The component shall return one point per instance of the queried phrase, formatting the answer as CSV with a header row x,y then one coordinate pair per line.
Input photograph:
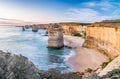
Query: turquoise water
x,y
34,46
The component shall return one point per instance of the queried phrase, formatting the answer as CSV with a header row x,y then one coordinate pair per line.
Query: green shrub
x,y
113,73
97,77
77,34
20,67
104,64
56,74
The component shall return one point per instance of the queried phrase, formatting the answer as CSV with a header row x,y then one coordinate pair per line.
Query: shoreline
x,y
84,58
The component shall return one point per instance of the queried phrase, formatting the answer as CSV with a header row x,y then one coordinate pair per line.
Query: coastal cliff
x,y
68,28
17,67
42,26
105,37
72,28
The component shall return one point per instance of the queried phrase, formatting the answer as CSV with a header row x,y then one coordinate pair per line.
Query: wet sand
x,y
84,58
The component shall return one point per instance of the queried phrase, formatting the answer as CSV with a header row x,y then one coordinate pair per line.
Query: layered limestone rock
x,y
42,26
105,37
72,28
55,36
68,28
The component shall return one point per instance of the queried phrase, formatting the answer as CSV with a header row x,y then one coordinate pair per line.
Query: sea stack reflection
x,y
55,36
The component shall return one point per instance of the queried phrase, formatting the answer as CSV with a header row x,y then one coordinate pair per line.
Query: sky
x,y
51,11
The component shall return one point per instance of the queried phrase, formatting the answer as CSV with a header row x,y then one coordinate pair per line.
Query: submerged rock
x,y
55,58
55,36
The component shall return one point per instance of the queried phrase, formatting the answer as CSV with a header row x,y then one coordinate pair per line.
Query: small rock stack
x,y
34,28
55,36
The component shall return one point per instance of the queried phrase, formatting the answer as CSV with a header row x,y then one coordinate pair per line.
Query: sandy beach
x,y
84,57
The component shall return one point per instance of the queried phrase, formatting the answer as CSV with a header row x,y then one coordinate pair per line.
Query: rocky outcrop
x,y
55,36
17,67
105,37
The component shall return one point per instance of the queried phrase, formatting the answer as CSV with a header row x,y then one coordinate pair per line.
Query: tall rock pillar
x,y
34,28
55,36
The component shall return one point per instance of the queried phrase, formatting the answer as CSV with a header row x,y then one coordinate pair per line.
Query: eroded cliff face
x,y
42,26
105,37
70,29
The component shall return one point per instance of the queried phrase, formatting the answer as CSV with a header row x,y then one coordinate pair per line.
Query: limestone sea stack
x,y
23,28
55,36
34,28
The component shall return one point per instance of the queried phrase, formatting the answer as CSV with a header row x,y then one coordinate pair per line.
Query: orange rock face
x,y
69,29
106,37
55,36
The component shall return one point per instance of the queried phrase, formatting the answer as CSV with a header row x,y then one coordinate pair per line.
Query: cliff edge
x,y
17,67
104,37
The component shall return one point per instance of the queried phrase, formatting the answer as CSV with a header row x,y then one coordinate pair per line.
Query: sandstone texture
x,y
55,36
71,28
105,37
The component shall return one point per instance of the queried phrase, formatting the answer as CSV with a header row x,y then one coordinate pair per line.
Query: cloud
x,y
12,22
104,4
94,12
85,15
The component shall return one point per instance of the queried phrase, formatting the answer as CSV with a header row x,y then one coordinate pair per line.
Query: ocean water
x,y
33,46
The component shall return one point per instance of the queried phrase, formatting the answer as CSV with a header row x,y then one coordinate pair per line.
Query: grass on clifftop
x,y
82,34
104,64
77,34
